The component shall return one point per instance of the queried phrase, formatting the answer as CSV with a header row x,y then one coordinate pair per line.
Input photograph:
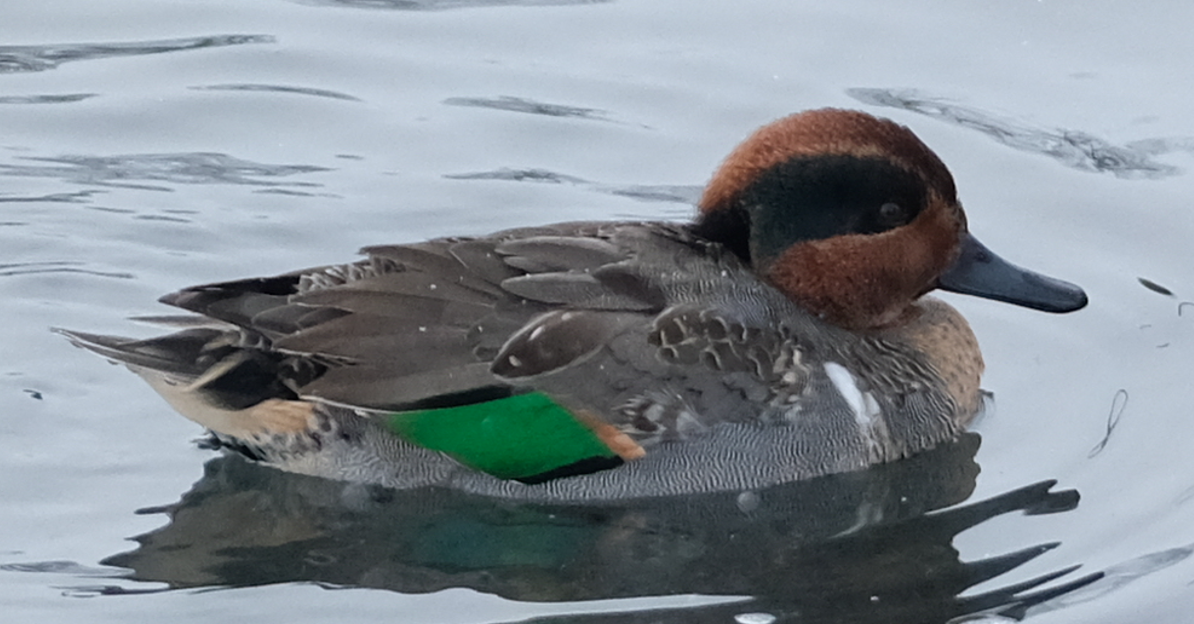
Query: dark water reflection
x,y
688,195
1072,148
530,107
126,170
860,547
43,57
66,98
267,88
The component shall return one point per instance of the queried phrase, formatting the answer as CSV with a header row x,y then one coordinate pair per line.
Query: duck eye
x,y
892,214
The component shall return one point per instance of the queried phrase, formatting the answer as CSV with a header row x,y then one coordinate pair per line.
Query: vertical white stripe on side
x,y
863,404
846,386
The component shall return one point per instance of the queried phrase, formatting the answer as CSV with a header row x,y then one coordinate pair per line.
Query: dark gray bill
x,y
979,272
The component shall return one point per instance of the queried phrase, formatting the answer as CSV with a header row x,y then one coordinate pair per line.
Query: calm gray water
x,y
146,146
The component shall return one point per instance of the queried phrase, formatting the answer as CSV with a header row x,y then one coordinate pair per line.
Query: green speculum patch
x,y
518,437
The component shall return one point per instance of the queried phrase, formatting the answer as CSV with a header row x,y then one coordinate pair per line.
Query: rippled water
x,y
146,146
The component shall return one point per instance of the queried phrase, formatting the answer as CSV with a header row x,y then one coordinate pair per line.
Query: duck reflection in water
x,y
857,547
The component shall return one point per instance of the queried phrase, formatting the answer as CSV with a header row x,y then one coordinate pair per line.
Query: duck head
x,y
854,218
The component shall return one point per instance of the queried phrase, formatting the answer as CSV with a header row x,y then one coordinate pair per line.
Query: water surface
x,y
146,146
